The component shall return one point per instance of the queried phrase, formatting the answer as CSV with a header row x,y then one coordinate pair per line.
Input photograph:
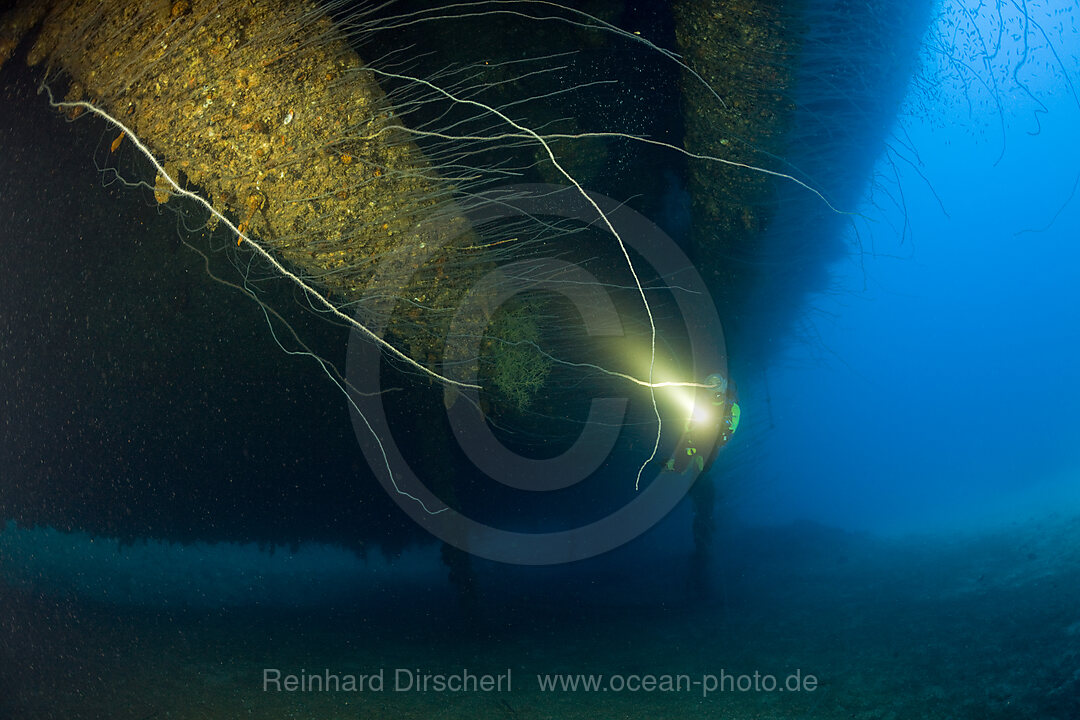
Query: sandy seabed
x,y
982,626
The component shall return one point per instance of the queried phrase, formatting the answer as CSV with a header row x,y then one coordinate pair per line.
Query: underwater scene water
x,y
518,359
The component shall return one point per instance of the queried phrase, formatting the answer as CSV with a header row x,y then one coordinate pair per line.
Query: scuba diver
x,y
719,425
705,432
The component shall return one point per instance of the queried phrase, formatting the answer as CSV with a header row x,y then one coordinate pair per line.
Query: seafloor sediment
x,y
938,627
